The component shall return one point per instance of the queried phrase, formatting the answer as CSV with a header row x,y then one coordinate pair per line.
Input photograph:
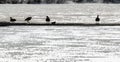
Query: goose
x,y
97,19
53,23
28,19
12,19
47,19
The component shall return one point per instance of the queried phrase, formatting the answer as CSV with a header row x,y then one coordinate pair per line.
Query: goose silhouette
x,y
53,23
47,19
97,19
28,19
12,19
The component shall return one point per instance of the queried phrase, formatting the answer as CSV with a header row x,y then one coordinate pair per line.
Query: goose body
x,y
12,19
47,19
28,19
53,23
97,18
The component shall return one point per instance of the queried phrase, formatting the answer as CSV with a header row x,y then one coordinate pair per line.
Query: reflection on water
x,y
58,43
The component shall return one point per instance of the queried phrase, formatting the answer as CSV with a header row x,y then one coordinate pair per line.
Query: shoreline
x,y
57,24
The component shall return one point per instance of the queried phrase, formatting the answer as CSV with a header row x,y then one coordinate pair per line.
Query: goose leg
x,y
28,22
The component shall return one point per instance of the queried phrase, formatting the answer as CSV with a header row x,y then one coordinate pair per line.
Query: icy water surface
x,y
59,44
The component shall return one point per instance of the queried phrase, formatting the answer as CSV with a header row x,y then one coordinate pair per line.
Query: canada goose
x,y
28,19
47,19
53,23
97,19
12,19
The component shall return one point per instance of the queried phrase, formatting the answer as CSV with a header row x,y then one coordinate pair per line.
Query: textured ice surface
x,y
60,43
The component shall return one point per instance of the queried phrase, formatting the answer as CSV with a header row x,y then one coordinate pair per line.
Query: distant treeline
x,y
55,1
